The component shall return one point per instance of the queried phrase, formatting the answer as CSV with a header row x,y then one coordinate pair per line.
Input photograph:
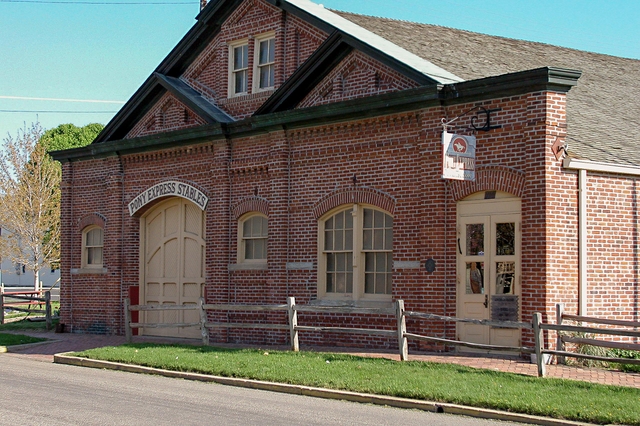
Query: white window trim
x,y
256,62
258,263
85,251
232,87
358,295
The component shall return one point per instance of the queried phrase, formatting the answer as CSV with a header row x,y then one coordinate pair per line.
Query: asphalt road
x,y
39,393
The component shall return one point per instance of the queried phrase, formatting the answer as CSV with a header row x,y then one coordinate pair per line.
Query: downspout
x,y
582,242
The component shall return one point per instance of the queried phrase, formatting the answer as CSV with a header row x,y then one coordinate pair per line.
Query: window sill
x,y
89,271
245,96
249,266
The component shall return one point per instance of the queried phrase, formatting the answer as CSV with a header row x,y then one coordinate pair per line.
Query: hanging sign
x,y
168,189
458,156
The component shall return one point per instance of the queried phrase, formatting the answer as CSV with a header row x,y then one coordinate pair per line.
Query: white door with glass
x,y
489,269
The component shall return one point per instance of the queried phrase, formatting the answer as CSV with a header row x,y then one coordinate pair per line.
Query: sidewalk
x,y
67,342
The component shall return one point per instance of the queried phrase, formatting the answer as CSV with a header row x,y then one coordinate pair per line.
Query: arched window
x,y
356,254
92,247
253,234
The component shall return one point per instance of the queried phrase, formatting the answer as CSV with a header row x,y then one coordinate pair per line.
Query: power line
x,y
28,98
108,3
56,112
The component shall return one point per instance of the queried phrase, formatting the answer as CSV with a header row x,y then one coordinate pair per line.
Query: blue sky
x,y
85,58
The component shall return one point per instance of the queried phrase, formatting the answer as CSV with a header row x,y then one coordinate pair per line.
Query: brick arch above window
x,y
490,178
340,197
251,204
92,219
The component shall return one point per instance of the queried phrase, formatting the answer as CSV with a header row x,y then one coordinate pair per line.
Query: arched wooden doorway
x,y
172,264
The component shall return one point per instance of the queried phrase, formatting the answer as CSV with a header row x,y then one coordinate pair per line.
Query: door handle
x,y
486,300
459,249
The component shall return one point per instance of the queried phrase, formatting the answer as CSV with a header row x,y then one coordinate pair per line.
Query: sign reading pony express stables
x,y
458,156
168,189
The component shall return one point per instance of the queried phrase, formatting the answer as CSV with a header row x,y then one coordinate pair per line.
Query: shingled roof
x,y
603,109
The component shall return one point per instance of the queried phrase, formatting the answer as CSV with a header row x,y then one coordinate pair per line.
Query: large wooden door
x,y
489,269
173,248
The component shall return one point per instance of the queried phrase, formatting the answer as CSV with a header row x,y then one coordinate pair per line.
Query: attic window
x,y
239,68
264,62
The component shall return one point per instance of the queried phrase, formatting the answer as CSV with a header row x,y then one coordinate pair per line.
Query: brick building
x,y
283,149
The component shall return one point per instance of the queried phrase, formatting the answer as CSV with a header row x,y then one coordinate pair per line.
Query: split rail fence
x,y
577,334
399,315
26,301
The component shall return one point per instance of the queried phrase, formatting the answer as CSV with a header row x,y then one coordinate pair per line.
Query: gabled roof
x,y
603,109
209,22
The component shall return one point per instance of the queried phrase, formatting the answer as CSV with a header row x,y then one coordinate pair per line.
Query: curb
x,y
435,407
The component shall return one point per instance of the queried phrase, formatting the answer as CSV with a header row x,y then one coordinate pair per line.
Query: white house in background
x,y
16,275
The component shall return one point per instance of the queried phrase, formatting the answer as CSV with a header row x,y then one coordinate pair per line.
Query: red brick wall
x,y
292,174
612,211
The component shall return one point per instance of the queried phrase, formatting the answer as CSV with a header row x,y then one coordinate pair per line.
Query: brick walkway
x,y
67,342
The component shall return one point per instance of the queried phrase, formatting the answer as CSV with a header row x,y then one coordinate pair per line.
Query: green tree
x,y
67,136
30,193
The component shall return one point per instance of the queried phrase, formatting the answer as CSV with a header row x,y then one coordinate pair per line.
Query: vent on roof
x,y
203,3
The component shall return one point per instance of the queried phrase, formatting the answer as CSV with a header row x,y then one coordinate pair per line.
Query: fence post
x,y
47,308
203,322
402,329
1,303
559,341
293,323
127,320
539,337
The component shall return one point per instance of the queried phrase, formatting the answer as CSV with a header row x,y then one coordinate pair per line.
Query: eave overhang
x,y
600,167
529,81
541,79
194,100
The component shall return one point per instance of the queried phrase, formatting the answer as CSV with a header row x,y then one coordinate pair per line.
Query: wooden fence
x,y
398,313
400,330
570,334
26,301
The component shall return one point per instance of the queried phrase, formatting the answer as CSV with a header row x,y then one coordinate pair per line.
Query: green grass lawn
x,y
25,324
17,339
418,380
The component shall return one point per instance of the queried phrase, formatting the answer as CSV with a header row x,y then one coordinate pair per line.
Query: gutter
x,y
584,166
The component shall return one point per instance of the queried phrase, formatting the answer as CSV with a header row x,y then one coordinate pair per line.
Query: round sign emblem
x,y
459,144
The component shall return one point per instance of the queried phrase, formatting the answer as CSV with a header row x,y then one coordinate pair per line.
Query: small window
x,y
265,63
239,69
92,245
253,237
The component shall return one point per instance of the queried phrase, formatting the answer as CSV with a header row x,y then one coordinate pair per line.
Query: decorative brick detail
x,y
92,219
251,204
490,178
168,114
357,76
354,196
